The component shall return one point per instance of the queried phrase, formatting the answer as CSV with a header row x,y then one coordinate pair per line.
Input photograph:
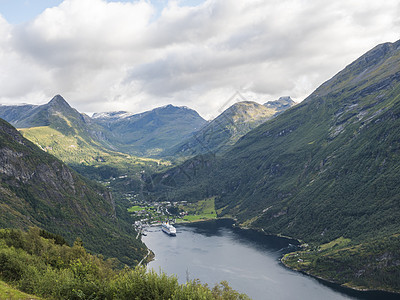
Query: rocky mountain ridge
x,y
282,104
221,133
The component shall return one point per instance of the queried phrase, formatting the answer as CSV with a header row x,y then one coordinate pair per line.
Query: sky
x,y
137,55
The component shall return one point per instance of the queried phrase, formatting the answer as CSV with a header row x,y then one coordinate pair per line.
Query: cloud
x,y
132,56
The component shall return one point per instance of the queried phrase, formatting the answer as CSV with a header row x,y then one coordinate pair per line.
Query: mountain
x,y
76,139
325,169
16,113
326,153
151,132
52,124
282,104
36,189
57,113
224,130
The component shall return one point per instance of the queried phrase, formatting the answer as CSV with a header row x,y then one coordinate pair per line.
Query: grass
x,y
206,206
248,223
139,208
339,242
135,208
200,217
7,292
202,210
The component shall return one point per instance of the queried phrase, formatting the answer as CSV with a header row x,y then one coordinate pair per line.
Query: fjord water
x,y
248,260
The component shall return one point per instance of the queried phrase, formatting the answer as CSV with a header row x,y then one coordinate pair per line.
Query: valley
x,y
324,172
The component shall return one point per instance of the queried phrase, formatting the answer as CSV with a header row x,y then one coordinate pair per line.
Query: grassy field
x,y
139,208
338,243
202,210
7,292
135,208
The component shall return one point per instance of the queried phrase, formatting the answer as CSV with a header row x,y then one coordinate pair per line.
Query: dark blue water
x,y
248,260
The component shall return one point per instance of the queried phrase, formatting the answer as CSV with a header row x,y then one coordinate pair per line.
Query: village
x,y
146,214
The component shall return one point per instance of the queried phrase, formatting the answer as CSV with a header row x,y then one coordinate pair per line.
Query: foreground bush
x,y
41,264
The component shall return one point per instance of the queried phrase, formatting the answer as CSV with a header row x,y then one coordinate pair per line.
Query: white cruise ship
x,y
168,228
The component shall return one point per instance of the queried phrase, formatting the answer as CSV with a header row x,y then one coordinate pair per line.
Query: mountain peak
x,y
112,115
172,107
58,100
380,51
243,107
282,103
382,60
222,132
245,103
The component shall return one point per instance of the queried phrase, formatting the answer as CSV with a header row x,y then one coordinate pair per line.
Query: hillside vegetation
x,y
40,263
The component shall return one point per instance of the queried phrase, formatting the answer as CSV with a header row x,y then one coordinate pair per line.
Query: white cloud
x,y
128,56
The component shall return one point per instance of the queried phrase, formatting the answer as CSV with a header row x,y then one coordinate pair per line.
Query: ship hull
x,y
169,229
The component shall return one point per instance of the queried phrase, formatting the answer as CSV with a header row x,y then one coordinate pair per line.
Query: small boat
x,y
168,228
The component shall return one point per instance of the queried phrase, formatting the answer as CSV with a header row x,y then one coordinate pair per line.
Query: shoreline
x,y
344,286
327,281
198,221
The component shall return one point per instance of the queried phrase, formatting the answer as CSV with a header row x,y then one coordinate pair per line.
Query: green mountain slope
x,y
36,189
151,132
331,161
327,168
224,130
